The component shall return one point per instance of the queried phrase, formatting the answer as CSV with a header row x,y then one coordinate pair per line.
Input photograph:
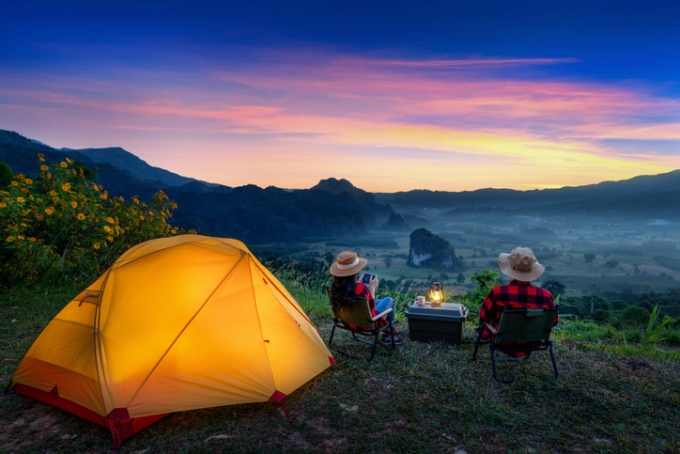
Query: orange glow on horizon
x,y
385,125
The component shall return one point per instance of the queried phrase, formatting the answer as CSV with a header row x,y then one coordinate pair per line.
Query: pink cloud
x,y
354,104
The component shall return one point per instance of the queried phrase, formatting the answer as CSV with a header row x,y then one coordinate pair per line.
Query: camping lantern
x,y
436,294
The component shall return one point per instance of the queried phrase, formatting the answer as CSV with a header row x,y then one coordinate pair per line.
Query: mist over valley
x,y
600,239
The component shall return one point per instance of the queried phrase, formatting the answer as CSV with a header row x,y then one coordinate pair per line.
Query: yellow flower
x,y
104,195
21,237
110,220
108,229
135,200
70,161
20,199
53,193
141,218
28,181
24,190
49,211
14,184
81,217
66,187
41,157
95,187
31,239
97,245
55,199
3,204
63,164
110,238
150,213
10,239
74,204
44,168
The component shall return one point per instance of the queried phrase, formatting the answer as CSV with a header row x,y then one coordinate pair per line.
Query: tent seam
x,y
193,317
96,333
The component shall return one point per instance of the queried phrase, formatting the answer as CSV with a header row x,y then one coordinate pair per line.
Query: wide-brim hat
x,y
347,263
520,264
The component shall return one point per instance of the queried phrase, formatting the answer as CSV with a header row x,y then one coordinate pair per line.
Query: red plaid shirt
x,y
515,295
362,290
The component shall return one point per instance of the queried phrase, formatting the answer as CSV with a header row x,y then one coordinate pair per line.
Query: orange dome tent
x,y
175,324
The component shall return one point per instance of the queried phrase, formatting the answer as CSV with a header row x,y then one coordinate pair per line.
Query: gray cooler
x,y
440,323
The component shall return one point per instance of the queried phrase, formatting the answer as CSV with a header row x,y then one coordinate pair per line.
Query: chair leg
x,y
375,344
477,344
391,328
493,366
554,363
330,340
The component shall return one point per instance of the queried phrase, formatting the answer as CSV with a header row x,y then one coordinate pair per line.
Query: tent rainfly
x,y
175,324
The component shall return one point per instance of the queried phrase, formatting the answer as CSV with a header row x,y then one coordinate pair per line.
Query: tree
x,y
460,278
387,261
589,257
6,174
612,263
554,287
634,316
485,280
329,258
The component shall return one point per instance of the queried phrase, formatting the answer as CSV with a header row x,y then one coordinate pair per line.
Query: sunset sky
x,y
391,95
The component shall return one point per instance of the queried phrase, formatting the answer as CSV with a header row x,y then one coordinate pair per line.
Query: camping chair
x,y
521,326
361,324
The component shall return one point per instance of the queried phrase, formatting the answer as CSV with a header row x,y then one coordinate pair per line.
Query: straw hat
x,y
520,264
347,264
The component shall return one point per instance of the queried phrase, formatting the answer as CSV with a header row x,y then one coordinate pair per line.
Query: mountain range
x,y
334,207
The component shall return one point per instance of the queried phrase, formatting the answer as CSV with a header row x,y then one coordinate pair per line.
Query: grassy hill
x,y
612,396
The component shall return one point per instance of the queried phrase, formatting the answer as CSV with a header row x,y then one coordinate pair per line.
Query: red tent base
x,y
118,421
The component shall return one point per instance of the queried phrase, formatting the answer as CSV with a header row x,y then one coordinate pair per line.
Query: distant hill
x,y
649,194
335,207
130,163
367,200
248,213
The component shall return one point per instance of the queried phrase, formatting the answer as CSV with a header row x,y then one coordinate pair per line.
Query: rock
x,y
431,251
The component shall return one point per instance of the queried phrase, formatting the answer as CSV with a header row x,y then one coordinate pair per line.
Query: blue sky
x,y
390,95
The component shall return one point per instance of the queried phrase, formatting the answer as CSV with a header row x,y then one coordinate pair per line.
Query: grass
x,y
611,397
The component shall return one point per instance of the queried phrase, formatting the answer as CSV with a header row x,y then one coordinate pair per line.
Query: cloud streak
x,y
436,124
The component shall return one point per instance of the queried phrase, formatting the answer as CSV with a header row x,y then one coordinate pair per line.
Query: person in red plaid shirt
x,y
520,265
346,287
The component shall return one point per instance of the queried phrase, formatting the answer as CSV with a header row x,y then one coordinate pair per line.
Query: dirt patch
x,y
27,427
639,367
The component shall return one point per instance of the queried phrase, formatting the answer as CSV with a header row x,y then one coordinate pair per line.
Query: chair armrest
x,y
491,328
381,315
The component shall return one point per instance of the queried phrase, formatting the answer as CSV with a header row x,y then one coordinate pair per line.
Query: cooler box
x,y
439,323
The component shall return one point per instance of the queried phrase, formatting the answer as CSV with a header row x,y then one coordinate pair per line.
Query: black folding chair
x,y
521,330
364,328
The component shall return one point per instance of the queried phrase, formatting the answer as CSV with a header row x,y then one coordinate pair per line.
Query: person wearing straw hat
x,y
345,287
522,267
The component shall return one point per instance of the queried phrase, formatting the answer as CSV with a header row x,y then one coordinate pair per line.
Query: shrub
x,y
601,316
634,317
63,226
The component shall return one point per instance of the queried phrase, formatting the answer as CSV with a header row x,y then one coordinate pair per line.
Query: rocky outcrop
x,y
396,223
431,251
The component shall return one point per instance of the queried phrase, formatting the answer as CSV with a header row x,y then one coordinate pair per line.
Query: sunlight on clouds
x,y
386,125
